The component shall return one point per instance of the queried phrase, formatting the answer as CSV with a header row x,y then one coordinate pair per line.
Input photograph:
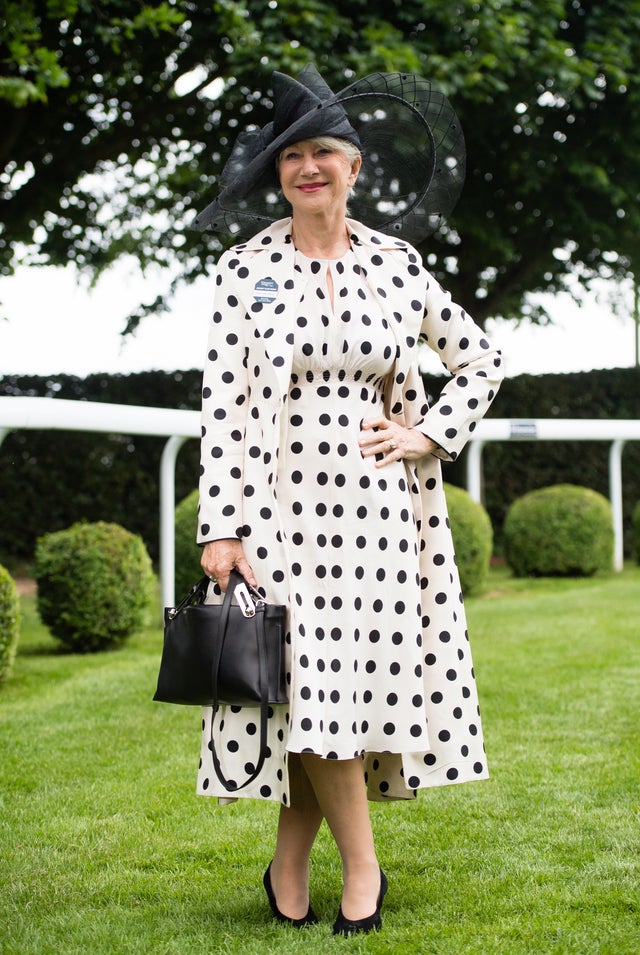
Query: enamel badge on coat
x,y
265,290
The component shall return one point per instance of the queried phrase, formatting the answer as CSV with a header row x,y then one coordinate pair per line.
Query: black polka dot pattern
x,y
379,665
348,632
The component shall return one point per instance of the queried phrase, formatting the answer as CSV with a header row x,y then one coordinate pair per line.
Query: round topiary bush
x,y
94,585
559,531
635,531
9,622
472,538
187,569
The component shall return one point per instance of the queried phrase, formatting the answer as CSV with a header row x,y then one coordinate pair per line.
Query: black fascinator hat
x,y
410,138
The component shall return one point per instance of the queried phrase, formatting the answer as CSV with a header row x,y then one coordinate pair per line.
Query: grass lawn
x,y
104,847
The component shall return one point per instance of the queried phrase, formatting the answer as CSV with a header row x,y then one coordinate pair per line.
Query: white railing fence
x,y
62,415
178,426
616,432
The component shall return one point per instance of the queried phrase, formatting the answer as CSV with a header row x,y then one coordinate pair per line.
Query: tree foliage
x,y
117,118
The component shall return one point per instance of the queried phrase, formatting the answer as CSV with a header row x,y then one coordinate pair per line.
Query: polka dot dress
x,y
350,534
378,657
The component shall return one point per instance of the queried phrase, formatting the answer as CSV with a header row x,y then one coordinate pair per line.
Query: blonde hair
x,y
349,149
344,146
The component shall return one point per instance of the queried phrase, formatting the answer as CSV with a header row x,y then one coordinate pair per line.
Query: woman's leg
x,y
298,826
341,795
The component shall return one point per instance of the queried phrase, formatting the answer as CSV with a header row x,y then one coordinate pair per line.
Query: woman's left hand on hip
x,y
381,436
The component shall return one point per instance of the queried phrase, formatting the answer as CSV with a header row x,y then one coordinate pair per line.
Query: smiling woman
x,y
316,177
314,157
320,468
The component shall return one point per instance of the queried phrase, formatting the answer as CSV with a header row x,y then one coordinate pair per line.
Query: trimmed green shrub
x,y
559,531
9,622
635,531
472,538
188,568
94,585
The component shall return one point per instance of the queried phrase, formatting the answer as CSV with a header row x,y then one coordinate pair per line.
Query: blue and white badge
x,y
266,290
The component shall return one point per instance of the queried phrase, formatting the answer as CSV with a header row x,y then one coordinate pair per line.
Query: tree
x,y
117,118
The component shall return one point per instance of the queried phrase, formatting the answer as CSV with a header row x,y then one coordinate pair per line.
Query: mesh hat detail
x,y
411,142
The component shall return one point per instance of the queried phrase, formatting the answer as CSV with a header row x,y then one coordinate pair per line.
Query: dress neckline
x,y
323,261
317,258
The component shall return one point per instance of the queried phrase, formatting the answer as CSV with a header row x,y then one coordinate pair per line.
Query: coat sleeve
x,y
225,394
475,365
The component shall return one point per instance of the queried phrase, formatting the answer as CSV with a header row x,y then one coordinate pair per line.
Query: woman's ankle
x,y
290,885
361,889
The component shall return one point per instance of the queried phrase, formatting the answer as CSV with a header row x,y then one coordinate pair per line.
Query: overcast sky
x,y
55,324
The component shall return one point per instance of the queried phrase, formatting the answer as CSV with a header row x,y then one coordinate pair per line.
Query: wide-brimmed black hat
x,y
410,138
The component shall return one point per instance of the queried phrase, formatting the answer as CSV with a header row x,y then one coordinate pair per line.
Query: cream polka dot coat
x,y
246,388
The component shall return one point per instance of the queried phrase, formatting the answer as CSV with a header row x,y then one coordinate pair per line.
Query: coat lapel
x,y
273,290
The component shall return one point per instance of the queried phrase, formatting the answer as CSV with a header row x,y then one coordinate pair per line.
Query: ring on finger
x,y
393,445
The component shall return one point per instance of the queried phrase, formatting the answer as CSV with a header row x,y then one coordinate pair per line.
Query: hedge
x,y
115,477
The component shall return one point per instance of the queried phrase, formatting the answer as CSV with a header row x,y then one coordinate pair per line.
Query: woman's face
x,y
315,178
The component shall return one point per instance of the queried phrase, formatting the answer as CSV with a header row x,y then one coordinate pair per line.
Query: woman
x,y
320,475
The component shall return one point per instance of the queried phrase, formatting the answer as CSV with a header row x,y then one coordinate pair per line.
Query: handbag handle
x,y
236,578
196,595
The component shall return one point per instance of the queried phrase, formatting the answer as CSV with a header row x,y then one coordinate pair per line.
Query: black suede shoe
x,y
372,923
309,919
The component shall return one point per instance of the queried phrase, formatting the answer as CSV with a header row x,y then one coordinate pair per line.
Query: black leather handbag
x,y
224,653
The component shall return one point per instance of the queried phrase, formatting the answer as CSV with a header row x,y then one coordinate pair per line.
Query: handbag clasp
x,y
245,601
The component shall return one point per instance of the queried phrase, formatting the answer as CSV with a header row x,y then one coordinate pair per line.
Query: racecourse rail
x,y
17,413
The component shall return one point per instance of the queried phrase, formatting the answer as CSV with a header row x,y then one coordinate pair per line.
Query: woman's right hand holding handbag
x,y
220,557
